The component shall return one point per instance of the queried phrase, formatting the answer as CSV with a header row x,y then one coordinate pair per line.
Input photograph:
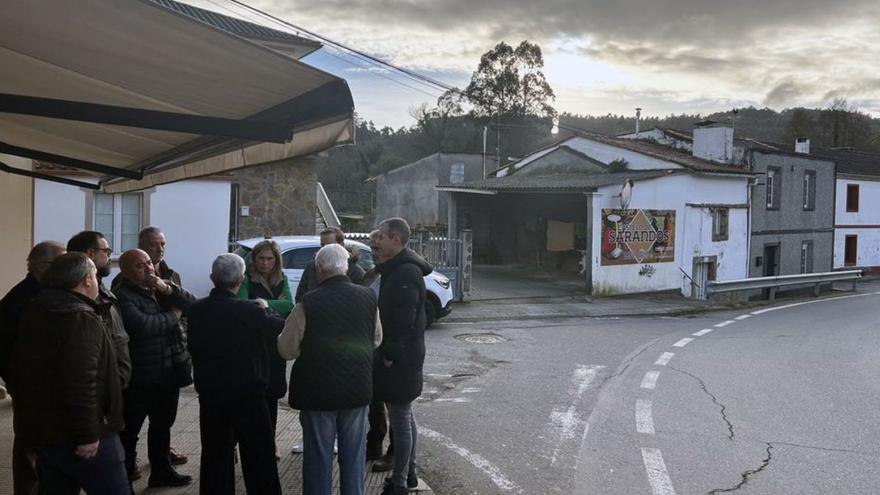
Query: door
x,y
771,260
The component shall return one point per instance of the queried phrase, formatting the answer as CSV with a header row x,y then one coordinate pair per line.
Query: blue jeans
x,y
403,433
63,472
320,429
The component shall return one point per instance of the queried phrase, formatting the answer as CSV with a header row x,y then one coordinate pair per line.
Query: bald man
x,y
160,366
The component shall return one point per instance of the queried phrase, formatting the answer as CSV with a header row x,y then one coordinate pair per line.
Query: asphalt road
x,y
777,402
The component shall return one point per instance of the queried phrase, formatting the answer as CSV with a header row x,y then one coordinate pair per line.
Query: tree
x,y
510,82
800,125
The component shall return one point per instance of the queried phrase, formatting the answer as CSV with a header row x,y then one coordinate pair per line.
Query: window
x,y
810,190
720,219
807,257
299,258
456,173
852,198
119,218
774,179
851,250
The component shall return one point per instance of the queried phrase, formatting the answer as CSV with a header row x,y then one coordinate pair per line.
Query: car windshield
x,y
244,252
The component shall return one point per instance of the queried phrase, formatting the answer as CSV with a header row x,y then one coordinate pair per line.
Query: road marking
x,y
658,477
743,317
683,342
438,375
644,421
452,399
724,323
564,422
478,461
650,380
470,390
817,301
664,358
702,332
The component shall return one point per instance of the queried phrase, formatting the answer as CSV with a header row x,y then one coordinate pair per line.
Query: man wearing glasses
x,y
95,246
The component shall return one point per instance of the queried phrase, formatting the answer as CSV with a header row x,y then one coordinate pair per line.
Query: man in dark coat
x,y
24,472
66,385
232,342
332,334
95,246
160,365
309,279
397,373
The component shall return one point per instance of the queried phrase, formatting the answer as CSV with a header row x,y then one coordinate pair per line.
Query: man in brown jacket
x,y
66,384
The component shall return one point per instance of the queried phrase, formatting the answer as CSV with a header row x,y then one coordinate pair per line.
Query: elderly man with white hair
x,y
332,334
231,342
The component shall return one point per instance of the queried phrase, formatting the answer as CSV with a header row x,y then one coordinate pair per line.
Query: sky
x,y
604,56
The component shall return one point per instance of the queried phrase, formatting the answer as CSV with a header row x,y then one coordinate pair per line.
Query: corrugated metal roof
x,y
236,26
560,182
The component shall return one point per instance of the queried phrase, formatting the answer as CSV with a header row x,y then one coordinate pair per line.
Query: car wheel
x,y
430,313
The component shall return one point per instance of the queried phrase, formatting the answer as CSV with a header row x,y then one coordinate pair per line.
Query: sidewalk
x,y
185,440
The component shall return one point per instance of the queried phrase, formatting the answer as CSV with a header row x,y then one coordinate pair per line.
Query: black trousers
x,y
159,403
378,419
244,420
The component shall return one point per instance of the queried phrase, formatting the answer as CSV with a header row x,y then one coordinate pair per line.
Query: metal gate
x,y
451,257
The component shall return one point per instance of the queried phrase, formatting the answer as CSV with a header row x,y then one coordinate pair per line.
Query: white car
x,y
298,251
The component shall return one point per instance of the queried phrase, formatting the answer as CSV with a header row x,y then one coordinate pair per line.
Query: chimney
x,y
638,118
802,145
713,141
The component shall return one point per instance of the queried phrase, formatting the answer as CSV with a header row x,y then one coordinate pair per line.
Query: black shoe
x,y
382,465
170,478
412,480
392,489
373,453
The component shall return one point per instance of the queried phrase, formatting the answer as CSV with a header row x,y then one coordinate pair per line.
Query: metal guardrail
x,y
775,282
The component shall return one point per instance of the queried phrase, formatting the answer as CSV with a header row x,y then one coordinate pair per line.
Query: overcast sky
x,y
601,56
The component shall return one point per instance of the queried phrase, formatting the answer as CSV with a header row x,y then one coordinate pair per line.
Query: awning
x,y
129,88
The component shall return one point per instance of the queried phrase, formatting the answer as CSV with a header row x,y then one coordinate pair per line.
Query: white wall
x,y
868,218
194,215
693,232
59,210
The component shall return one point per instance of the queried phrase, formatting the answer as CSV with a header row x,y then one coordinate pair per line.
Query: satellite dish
x,y
626,193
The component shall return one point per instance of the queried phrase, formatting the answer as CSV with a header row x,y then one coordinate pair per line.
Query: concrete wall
x,y
280,196
865,224
693,232
791,223
194,215
16,223
410,191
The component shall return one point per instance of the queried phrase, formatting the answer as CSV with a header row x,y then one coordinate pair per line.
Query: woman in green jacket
x,y
265,280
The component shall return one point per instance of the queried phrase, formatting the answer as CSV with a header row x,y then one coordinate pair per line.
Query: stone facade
x,y
280,196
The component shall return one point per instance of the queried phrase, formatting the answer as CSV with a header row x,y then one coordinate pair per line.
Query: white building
x,y
194,215
857,209
686,221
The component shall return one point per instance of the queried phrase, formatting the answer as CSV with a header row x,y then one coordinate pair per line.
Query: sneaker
x,y
412,481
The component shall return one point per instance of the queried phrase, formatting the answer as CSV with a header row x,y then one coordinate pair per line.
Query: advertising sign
x,y
631,237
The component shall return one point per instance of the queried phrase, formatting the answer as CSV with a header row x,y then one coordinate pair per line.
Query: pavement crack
x,y
748,474
722,407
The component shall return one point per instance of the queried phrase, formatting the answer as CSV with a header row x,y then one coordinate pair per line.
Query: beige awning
x,y
131,86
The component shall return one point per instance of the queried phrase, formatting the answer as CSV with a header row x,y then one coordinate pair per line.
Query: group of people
x,y
87,365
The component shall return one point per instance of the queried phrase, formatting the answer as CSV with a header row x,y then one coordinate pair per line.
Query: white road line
x,y
478,461
664,358
644,421
658,477
702,332
650,380
683,342
743,317
724,324
470,390
817,301
564,421
452,399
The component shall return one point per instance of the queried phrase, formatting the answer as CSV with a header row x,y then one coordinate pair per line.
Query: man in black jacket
x,y
332,334
232,342
397,373
309,279
95,246
24,472
151,310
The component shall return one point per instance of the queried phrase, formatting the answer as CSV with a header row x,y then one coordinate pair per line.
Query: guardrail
x,y
775,282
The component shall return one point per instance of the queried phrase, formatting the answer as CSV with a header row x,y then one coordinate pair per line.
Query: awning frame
x,y
69,162
36,175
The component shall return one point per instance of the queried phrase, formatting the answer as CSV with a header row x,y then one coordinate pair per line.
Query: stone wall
x,y
281,197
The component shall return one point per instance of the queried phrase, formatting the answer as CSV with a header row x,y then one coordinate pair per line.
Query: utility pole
x,y
485,132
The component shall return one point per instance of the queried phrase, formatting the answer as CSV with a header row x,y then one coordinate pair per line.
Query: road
x,y
773,401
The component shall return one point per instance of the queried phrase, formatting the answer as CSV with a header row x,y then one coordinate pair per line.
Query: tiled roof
x,y
559,182
851,161
236,26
